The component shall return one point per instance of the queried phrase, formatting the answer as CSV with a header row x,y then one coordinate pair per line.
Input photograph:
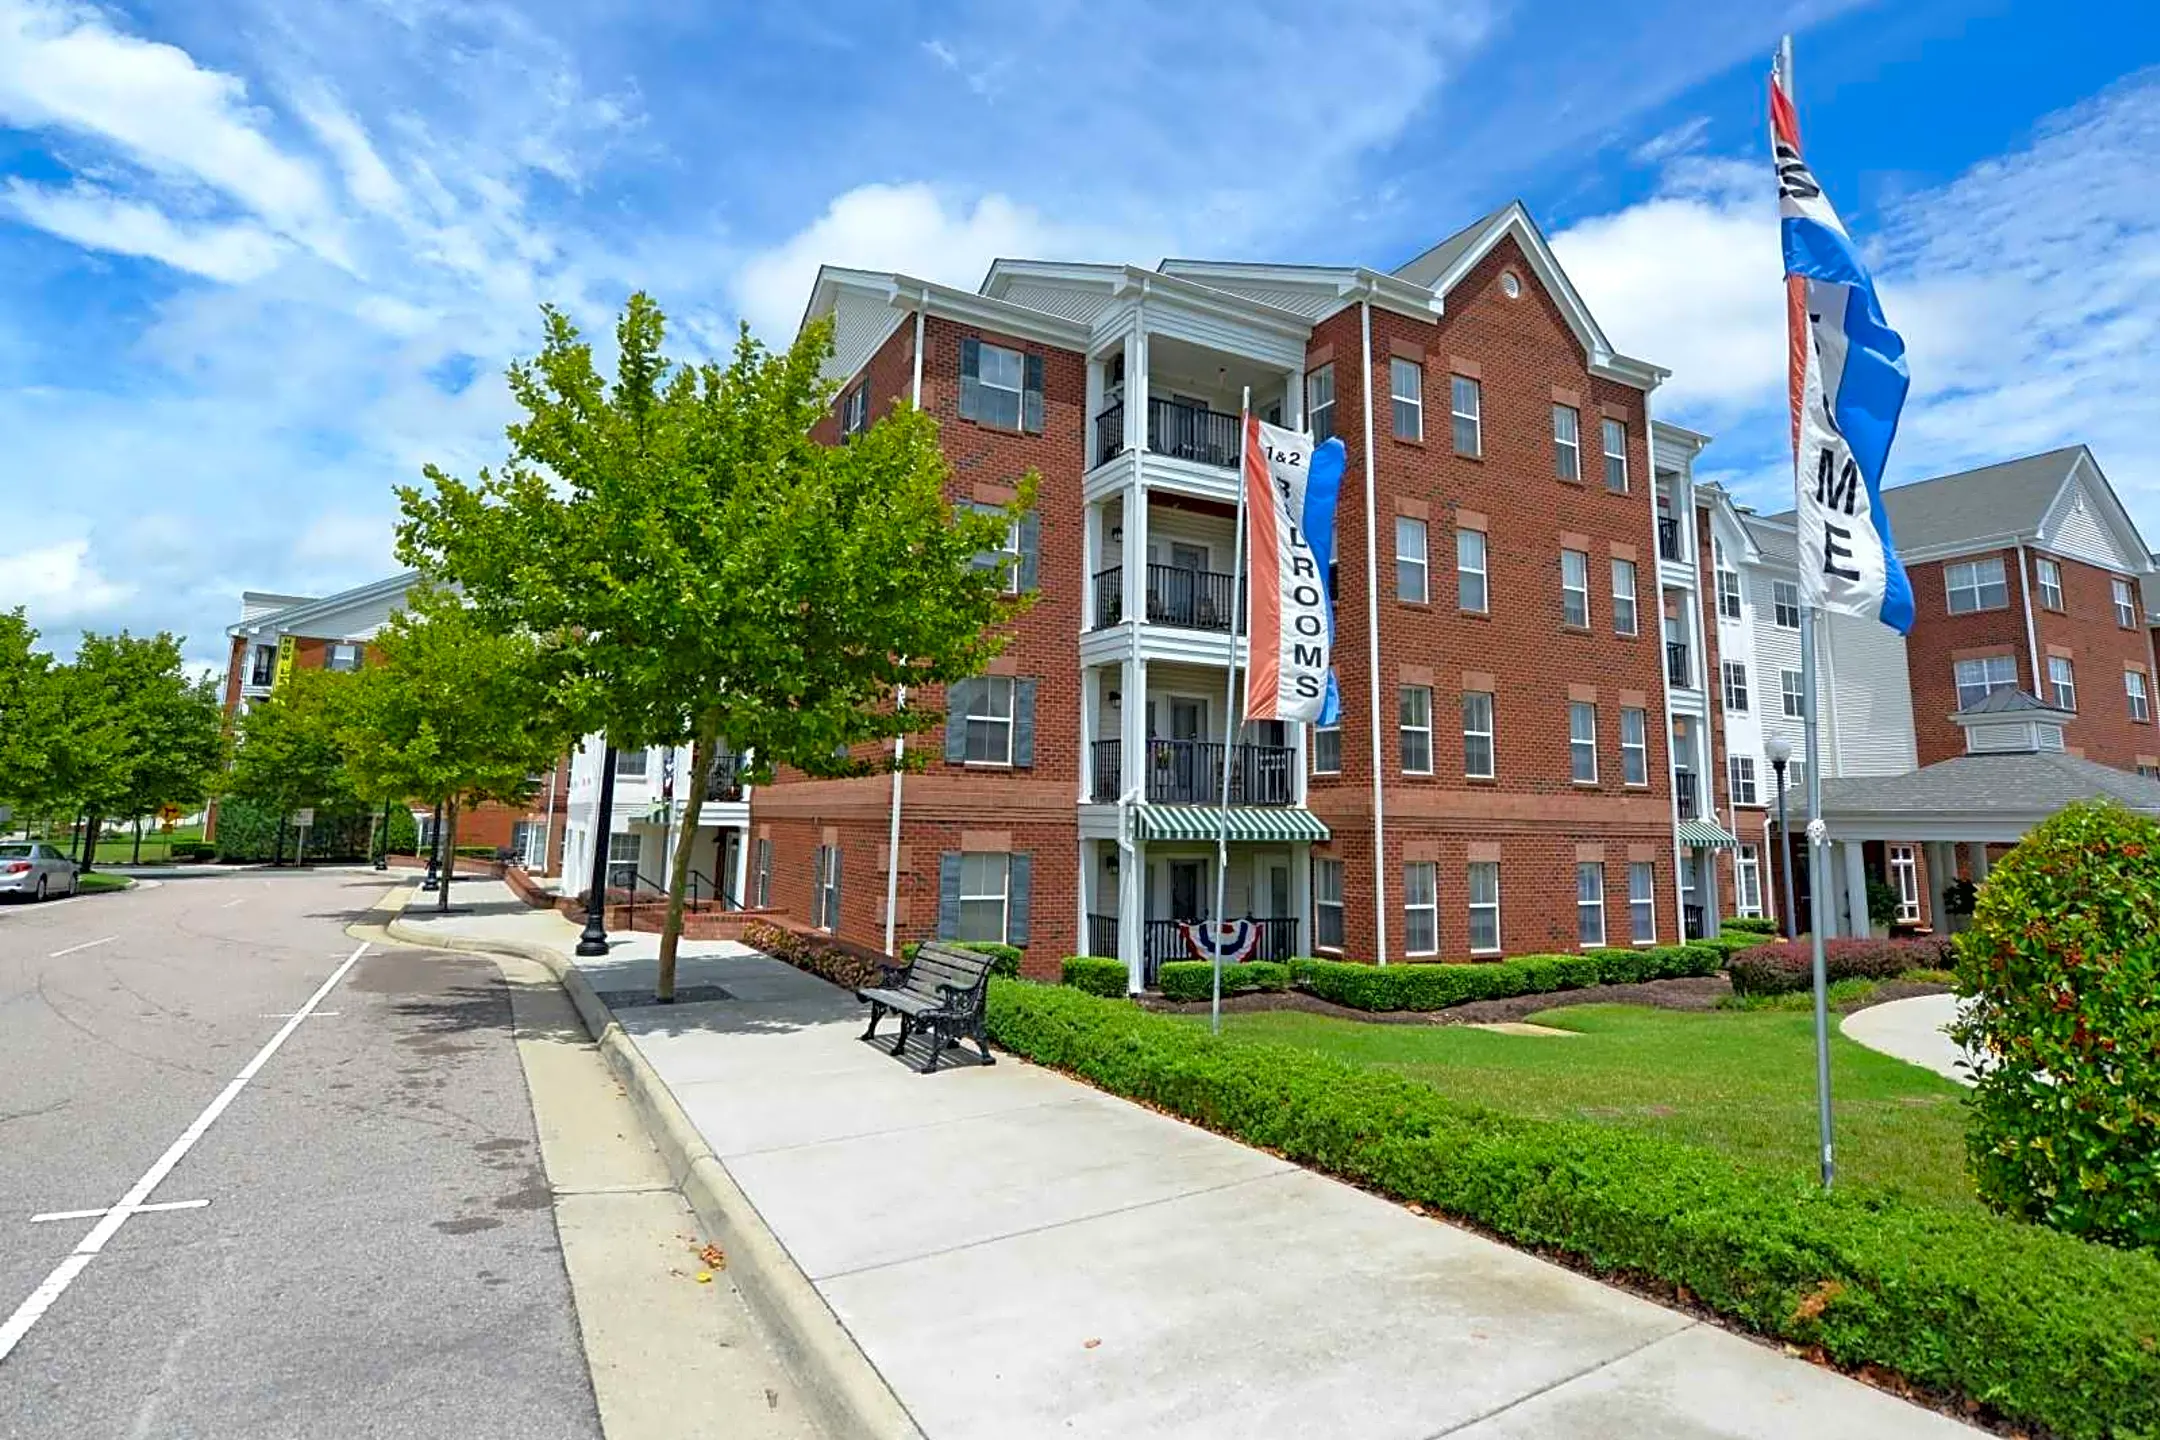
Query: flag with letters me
x,y
1291,486
1848,382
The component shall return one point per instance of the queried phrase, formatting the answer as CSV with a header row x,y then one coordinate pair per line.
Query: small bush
x,y
1748,925
2061,968
1005,958
820,955
1095,975
1195,979
193,850
1729,945
1842,995
1790,965
1437,987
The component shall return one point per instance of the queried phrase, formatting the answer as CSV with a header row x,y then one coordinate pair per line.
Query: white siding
x,y
1084,303
861,323
2073,527
1166,317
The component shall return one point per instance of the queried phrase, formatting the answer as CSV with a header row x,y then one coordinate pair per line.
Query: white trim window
x,y
1634,745
1740,777
625,851
2140,700
1616,479
1623,597
1575,589
1590,903
1320,402
2125,604
825,888
1567,442
1411,569
1728,594
630,764
985,895
1327,749
1582,742
1006,559
1785,604
1978,679
1484,892
989,721
2062,679
855,411
1971,585
764,873
1736,693
1465,404
1477,735
343,657
1792,693
1000,385
1414,707
1406,388
1905,879
2049,575
1471,594
1421,908
1327,876
1642,901
1747,880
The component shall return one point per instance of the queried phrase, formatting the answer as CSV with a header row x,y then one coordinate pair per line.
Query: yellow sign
x,y
169,816
286,646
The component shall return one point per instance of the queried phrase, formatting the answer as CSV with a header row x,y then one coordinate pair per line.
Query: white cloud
x,y
58,583
1679,140
99,220
345,542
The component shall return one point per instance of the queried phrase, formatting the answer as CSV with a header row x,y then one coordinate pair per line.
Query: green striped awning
x,y
1247,823
1704,835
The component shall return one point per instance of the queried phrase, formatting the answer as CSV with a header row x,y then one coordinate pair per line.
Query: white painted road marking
x,y
102,939
288,1014
99,1214
230,903
55,1285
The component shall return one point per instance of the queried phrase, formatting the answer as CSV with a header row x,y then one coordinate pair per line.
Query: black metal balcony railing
x,y
1189,772
1110,434
262,675
1189,599
1676,664
1102,936
1693,923
1109,596
1164,940
724,782
1684,792
1185,432
1668,537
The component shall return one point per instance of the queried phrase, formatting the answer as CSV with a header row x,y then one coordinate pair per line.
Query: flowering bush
x,y
1790,965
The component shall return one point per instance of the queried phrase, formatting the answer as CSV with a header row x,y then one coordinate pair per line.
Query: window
x,y
1484,907
2061,676
263,668
1616,457
2125,607
1327,750
1575,589
1415,703
1410,567
1978,679
1477,735
1747,880
2050,577
1464,404
1320,402
630,764
1470,571
1641,901
1590,902
1623,597
1634,746
1736,696
990,720
855,411
1740,774
1567,442
624,850
984,890
764,875
342,657
1006,558
1327,903
1421,909
2140,702
825,888
999,386
1728,595
1792,690
1406,387
1582,741
1976,585
1905,879
1785,604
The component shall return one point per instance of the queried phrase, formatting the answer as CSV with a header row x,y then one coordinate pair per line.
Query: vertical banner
x,y
1290,491
286,646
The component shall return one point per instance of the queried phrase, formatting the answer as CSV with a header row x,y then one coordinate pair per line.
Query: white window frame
x,y
1411,560
1635,754
1905,879
632,764
1408,409
1460,386
825,888
1481,570
1581,746
1624,621
981,895
1747,880
347,651
2047,574
1018,389
1472,733
1728,594
764,873
2063,685
982,718
1567,441
1642,902
1327,889
2139,694
1969,577
1792,694
2125,603
1784,601
1404,728
616,858
1489,870
1319,408
1332,734
1996,672
1007,560
855,409
1577,588
1585,908
1417,874
1740,779
1733,673
1615,457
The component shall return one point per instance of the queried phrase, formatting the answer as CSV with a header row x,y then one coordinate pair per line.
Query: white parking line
x,y
55,1285
242,900
96,1214
102,939
288,1014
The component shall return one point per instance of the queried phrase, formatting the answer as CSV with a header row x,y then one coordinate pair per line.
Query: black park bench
x,y
939,995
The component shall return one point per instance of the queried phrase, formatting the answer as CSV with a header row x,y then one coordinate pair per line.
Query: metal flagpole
x,y
1222,823
1818,851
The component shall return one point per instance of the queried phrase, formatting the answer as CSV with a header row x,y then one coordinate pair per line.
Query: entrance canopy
x,y
1263,823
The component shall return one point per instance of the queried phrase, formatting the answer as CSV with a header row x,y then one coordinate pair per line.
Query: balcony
x,y
1684,793
1162,940
1188,599
724,781
1677,669
1668,537
1189,772
1183,432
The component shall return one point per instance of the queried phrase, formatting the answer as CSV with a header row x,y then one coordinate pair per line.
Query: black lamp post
x,y
434,854
1779,751
382,851
593,940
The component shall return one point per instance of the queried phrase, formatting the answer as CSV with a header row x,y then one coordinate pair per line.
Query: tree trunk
x,y
446,847
277,846
89,843
701,753
138,841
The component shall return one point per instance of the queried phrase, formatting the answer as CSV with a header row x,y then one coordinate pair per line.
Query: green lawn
x,y
1741,1082
97,882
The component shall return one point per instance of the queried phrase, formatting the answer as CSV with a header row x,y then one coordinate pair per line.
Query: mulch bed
x,y
1695,992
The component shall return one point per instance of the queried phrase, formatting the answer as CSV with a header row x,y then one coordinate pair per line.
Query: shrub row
x,y
820,955
1748,925
1790,964
1005,958
1195,979
1436,987
2048,1330
1096,975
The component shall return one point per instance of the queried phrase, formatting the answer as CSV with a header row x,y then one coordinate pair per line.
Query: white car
x,y
30,868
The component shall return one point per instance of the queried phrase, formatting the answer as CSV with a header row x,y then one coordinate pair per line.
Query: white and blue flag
x,y
1848,382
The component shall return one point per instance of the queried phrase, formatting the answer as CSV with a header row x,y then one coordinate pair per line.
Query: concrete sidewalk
x,y
1017,1254
1912,1030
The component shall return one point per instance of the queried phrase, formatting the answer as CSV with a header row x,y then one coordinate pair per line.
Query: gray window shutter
x,y
956,703
1023,723
1030,548
948,895
971,378
1021,876
1031,395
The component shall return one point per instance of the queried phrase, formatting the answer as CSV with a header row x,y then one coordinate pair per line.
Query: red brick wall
x,y
1940,639
2099,651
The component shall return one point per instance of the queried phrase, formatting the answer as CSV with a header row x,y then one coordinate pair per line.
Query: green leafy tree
x,y
454,713
701,569
289,753
135,730
27,715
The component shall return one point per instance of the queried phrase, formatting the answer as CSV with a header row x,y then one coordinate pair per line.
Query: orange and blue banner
x,y
1291,487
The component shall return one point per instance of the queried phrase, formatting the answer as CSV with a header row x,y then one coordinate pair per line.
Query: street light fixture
x,y
1779,752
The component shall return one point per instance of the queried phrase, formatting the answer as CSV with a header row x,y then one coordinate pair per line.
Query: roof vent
x,y
2008,721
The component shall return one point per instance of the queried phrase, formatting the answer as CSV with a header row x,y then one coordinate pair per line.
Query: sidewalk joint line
x,y
890,1130
1549,1387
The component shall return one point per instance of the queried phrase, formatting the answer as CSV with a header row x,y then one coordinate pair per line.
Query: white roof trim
x,y
1347,283
2120,527
905,292
279,621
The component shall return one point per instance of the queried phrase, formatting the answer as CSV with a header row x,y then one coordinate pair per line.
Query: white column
x,y
1134,554
1856,887
1132,725
1132,914
1136,368
1942,870
1090,707
1710,887
1294,400
1301,896
1976,860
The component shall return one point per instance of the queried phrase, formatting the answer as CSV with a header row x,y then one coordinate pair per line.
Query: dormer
x,y
2010,722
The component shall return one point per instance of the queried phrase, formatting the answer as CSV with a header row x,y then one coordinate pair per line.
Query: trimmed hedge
x,y
1095,975
1436,987
1728,946
1790,964
1006,957
2048,1330
1195,979
1748,925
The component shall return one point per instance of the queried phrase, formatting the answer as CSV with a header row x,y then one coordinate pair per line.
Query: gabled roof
x,y
1427,268
2027,787
293,617
2009,700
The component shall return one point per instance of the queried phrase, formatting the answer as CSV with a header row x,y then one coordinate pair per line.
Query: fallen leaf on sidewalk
x,y
704,1277
1090,1344
714,1256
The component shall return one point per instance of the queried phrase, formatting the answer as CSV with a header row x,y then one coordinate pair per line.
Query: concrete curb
x,y
845,1390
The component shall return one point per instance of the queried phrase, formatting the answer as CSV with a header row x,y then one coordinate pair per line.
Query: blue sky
x,y
261,259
